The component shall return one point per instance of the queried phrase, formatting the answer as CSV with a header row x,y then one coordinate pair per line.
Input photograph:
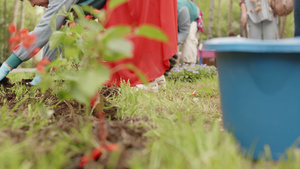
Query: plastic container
x,y
260,91
206,53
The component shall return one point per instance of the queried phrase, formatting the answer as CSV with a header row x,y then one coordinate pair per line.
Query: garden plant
x,y
71,120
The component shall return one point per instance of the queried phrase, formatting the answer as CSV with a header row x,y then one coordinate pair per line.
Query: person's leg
x,y
52,54
173,61
11,63
189,47
4,70
254,29
297,17
270,29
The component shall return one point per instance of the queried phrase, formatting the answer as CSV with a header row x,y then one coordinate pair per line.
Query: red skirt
x,y
150,56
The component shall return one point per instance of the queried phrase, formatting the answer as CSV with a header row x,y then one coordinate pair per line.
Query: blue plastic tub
x,y
260,91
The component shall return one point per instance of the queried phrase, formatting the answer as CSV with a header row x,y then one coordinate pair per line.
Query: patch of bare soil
x,y
127,133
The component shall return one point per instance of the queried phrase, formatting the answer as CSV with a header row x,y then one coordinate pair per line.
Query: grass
x,y
184,122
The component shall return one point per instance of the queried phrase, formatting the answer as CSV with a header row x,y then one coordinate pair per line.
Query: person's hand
x,y
244,20
4,70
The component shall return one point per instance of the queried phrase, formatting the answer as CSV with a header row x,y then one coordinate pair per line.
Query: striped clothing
x,y
43,29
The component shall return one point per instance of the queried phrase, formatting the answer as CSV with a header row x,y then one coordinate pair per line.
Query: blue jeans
x,y
297,17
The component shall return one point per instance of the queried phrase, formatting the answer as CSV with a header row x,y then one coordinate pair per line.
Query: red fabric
x,y
150,56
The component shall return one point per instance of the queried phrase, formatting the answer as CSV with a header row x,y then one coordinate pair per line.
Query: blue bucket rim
x,y
236,44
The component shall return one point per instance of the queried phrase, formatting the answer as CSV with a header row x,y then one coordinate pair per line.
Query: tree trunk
x,y
15,14
218,19
211,20
242,29
4,31
230,17
22,14
282,27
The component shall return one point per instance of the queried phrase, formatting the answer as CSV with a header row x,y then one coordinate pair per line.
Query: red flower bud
x,y
14,39
40,66
28,40
96,153
72,25
45,61
16,47
23,31
83,161
89,17
12,28
35,51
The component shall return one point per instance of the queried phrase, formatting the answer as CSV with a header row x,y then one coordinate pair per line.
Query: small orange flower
x,y
14,39
16,47
112,147
28,40
35,51
40,66
12,28
72,25
23,31
45,61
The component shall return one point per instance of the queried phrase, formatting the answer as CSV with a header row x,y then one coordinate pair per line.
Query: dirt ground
x,y
127,133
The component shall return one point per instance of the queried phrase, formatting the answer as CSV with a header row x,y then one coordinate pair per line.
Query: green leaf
x,y
151,32
87,8
55,39
68,40
116,32
87,83
118,49
80,44
96,14
53,22
72,76
64,95
72,53
91,25
78,10
78,29
112,4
